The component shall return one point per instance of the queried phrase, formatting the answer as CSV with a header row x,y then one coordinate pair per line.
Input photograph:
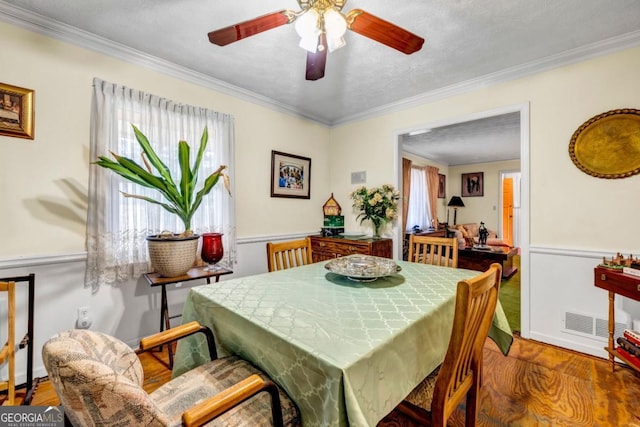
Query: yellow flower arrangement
x,y
378,204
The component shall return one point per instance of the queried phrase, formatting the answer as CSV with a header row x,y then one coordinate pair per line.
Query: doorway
x,y
509,220
520,232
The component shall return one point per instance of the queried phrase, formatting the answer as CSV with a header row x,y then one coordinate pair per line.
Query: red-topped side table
x,y
154,279
616,282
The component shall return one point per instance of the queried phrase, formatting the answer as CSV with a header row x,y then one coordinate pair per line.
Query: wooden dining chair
x,y
433,250
283,255
433,401
8,351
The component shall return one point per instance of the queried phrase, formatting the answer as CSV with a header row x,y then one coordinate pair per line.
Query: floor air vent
x,y
590,326
578,323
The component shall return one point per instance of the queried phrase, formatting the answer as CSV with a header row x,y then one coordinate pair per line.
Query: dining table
x,y
347,352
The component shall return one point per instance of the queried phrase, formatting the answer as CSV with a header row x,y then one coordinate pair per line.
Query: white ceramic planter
x,y
173,256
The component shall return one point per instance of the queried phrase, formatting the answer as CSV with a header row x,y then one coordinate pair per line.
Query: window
x,y
419,210
117,226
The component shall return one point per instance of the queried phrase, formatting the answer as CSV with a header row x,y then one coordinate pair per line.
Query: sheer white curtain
x,y
419,210
117,226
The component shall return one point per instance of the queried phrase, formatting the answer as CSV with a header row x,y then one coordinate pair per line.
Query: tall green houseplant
x,y
181,199
169,255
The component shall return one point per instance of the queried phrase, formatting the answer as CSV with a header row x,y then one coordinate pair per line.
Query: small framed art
x,y
442,186
290,175
16,111
473,184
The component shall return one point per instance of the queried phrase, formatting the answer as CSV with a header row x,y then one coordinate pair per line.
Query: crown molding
x,y
604,47
42,25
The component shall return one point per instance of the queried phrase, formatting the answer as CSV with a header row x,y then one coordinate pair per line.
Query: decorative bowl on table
x,y
362,268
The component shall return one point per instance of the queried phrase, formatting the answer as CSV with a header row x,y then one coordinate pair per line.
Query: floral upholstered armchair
x,y
98,379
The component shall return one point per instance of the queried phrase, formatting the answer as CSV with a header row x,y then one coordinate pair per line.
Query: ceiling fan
x,y
321,25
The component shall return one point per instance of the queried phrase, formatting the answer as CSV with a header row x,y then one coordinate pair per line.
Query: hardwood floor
x,y
535,385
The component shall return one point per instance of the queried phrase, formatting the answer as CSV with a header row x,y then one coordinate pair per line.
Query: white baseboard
x,y
596,350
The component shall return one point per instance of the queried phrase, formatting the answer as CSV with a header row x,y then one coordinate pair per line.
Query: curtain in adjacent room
x,y
419,210
432,189
406,189
117,226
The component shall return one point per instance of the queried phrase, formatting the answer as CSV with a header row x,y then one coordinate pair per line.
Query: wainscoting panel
x,y
566,309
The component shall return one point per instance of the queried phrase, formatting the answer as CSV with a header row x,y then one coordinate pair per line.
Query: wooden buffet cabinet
x,y
619,283
326,248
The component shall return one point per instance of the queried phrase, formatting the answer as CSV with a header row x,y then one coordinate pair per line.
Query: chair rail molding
x,y
36,260
575,252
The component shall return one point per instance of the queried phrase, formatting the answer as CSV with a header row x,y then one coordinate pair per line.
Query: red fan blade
x,y
316,62
384,32
224,36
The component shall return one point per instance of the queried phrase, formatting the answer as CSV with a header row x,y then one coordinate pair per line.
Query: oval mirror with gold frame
x,y
608,145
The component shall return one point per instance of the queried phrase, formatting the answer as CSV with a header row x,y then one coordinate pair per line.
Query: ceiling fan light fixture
x,y
335,26
321,26
309,44
307,28
335,23
334,44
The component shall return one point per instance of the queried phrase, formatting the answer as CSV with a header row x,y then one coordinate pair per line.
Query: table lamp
x,y
455,203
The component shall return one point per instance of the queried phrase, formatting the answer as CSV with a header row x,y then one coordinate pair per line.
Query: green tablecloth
x,y
346,352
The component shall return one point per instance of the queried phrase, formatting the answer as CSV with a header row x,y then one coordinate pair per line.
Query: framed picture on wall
x,y
16,111
290,175
473,184
442,186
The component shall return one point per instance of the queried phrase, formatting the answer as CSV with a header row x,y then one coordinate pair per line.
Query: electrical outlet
x,y
84,318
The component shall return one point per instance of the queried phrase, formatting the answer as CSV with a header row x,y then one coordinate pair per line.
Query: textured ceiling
x,y
484,140
468,43
465,40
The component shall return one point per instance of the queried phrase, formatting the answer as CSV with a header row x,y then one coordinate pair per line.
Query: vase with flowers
x,y
378,204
